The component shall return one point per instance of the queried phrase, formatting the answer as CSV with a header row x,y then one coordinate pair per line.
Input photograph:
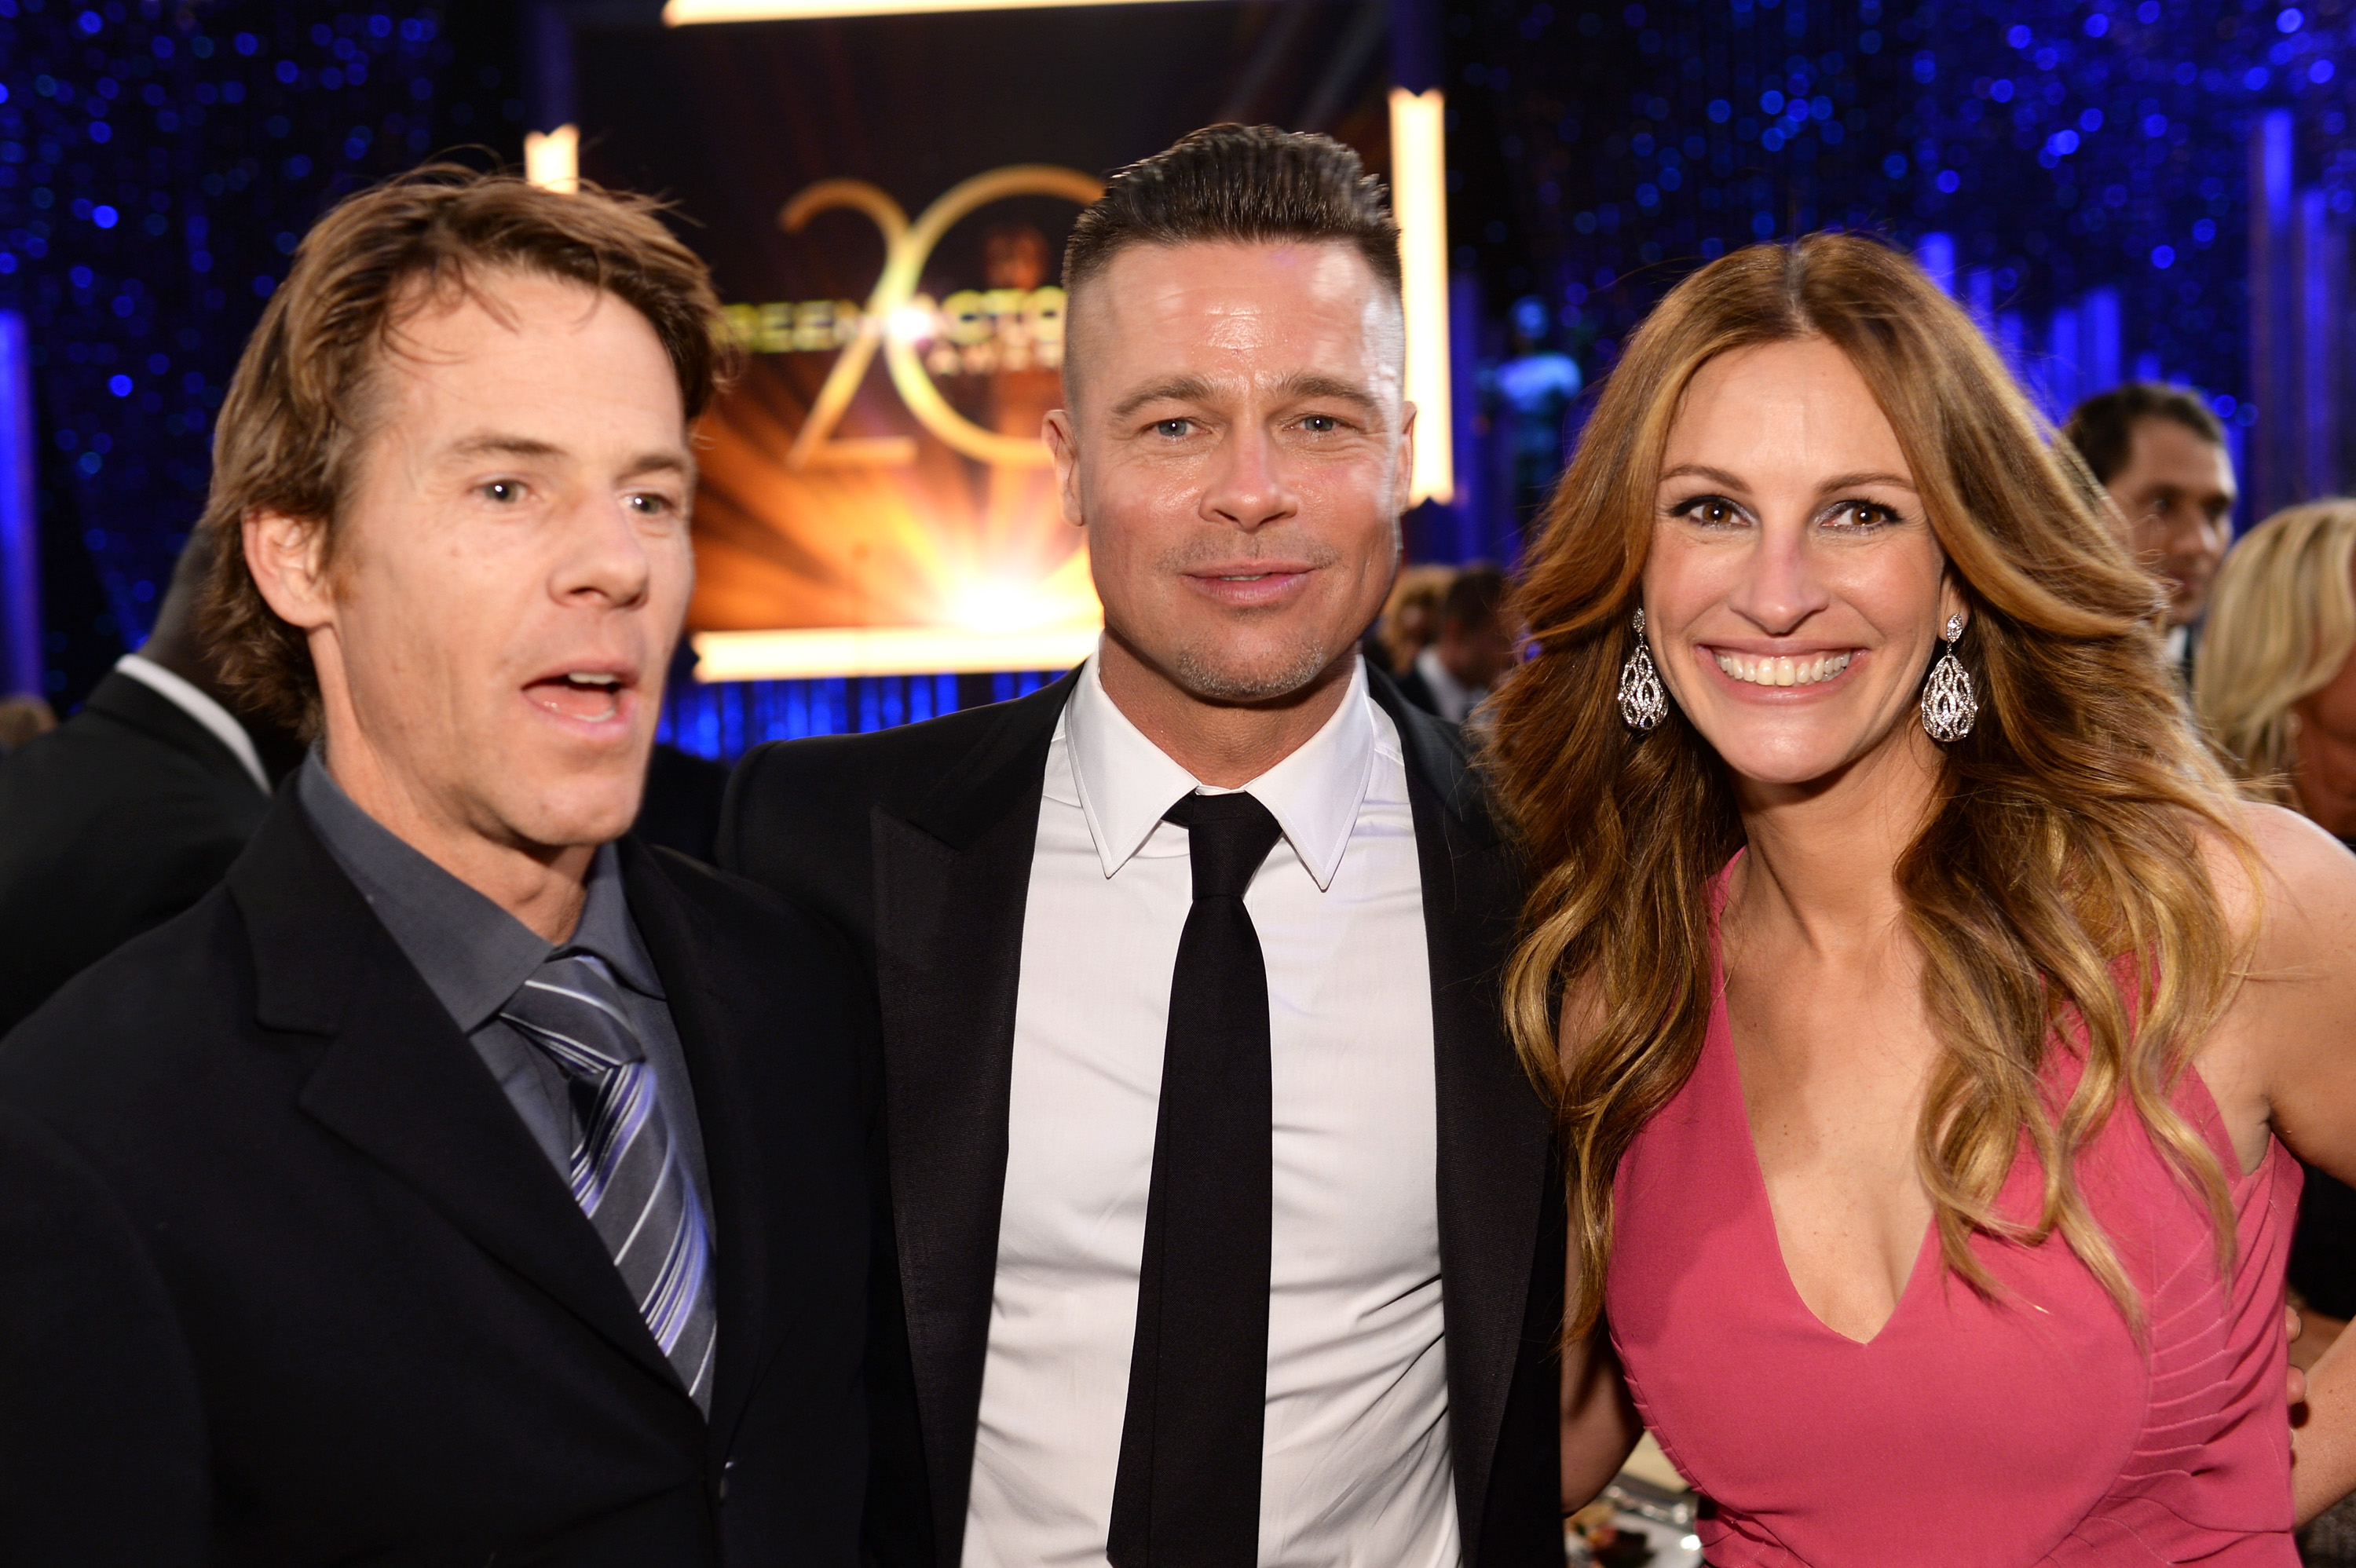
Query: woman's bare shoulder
x,y
2303,902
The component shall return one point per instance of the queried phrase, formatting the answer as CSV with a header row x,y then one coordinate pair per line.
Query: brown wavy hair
x,y
300,405
2063,849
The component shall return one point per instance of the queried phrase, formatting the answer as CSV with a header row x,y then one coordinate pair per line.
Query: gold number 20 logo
x,y
907,247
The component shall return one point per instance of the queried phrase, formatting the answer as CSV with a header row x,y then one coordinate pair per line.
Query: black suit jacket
x,y
117,820
1416,689
288,1281
918,843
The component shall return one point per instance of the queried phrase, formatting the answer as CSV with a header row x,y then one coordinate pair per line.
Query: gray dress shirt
x,y
474,955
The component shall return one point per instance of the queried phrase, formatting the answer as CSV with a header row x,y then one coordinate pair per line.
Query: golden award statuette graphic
x,y
842,529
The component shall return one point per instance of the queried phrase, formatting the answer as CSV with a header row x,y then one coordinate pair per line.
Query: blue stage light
x,y
171,133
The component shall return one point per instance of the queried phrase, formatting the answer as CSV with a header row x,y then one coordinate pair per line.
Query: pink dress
x,y
2030,1429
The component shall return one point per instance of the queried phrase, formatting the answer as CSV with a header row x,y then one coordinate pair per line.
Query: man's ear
x,y
288,559
1064,447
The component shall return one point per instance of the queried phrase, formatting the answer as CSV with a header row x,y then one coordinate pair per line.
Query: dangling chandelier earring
x,y
1948,706
1642,703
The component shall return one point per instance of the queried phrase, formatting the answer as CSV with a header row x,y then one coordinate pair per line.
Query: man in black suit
x,y
454,1184
2159,453
131,810
1229,1227
1472,652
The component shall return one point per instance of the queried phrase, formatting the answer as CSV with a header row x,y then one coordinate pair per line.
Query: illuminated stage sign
x,y
885,203
935,554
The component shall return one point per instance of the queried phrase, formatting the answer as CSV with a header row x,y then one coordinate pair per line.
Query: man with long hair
x,y
455,1183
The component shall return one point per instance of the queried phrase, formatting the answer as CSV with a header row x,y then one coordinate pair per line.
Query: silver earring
x,y
1948,706
1642,703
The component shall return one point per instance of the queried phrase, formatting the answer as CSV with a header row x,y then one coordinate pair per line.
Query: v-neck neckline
x,y
1720,1038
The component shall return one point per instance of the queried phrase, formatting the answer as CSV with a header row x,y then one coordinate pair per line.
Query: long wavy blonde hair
x,y
2062,851
2281,624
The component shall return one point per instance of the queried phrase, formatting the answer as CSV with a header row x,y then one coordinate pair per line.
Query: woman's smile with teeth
x,y
1782,670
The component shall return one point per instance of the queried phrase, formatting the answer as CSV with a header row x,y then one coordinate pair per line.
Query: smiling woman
x,y
1904,945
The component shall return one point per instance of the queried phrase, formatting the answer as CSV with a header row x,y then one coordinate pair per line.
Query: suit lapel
x,y
1494,1132
684,948
399,1082
951,880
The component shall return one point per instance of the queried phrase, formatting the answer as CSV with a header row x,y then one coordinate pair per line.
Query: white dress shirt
x,y
193,702
1355,1468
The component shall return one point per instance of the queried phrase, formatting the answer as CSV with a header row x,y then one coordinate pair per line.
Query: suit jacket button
x,y
724,1468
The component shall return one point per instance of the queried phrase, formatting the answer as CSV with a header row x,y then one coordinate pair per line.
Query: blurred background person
x,y
22,716
1534,388
1473,647
2276,692
2276,686
2160,453
132,809
1410,618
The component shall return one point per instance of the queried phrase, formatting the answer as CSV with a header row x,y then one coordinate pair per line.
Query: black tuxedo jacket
x,y
123,817
287,1280
917,842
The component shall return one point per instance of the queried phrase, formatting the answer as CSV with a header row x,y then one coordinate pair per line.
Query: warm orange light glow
x,y
1420,201
812,652
552,159
856,557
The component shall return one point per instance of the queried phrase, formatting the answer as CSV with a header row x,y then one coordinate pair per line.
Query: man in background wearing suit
x,y
132,810
454,1184
2160,452
1227,1223
1474,650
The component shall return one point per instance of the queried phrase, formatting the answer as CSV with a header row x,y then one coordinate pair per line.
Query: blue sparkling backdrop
x,y
157,164
1601,151
160,160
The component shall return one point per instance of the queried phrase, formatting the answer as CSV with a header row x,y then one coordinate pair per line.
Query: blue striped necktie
x,y
626,1171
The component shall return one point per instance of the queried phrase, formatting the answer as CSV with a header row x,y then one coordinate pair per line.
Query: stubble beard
x,y
1205,674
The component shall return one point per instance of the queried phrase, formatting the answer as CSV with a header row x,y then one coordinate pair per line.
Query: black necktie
x,y
1187,1492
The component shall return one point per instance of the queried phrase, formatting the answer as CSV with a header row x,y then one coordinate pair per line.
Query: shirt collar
x,y
608,930
1126,782
191,700
472,954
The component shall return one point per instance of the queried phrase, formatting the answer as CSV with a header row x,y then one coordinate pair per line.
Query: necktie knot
x,y
572,1008
1227,836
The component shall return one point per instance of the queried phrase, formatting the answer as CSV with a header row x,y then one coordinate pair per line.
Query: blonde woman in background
x,y
2276,687
2275,690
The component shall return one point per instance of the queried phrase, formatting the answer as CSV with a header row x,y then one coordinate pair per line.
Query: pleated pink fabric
x,y
2032,1427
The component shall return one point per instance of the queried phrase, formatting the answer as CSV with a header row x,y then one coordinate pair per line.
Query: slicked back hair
x,y
304,398
1237,185
2103,427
